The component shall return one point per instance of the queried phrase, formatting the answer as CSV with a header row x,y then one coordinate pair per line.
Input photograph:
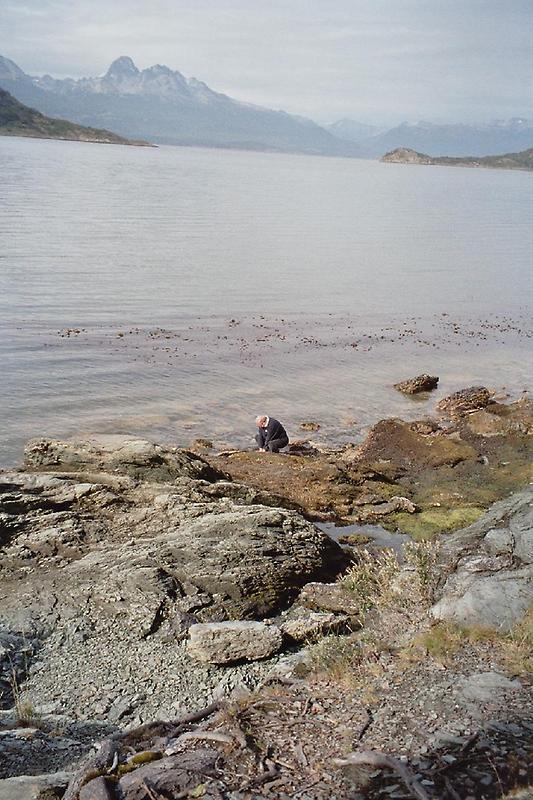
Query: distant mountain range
x,y
164,106
522,160
443,140
17,119
354,131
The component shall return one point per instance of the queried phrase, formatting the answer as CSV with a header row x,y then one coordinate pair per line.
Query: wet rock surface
x,y
450,473
464,401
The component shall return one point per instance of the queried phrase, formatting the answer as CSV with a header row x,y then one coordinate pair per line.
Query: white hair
x,y
260,418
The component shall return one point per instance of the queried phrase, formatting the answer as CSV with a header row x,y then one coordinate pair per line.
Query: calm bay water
x,y
176,292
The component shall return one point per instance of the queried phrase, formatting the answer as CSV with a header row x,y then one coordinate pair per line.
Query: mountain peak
x,y
159,69
122,66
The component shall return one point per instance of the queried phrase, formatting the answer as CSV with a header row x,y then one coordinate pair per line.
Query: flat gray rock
x,y
138,458
485,687
488,567
33,787
228,642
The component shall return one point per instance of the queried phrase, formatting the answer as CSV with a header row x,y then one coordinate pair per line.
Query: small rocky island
x,y
404,155
16,119
177,623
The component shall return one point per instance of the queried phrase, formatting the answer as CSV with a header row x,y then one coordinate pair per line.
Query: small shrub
x,y
334,655
371,579
348,660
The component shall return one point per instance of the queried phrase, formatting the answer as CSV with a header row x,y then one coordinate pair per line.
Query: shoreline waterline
x,y
209,376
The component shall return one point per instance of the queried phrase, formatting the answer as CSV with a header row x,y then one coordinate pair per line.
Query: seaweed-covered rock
x,y
450,474
405,448
310,426
422,383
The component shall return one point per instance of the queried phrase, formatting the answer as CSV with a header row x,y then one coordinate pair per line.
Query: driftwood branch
x,y
373,758
169,727
106,759
213,736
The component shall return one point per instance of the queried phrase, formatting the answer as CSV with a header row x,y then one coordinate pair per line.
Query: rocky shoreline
x,y
142,582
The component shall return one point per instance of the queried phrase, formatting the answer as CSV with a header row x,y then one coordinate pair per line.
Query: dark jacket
x,y
274,430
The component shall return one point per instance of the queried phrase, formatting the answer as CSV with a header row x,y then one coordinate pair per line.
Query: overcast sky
x,y
380,61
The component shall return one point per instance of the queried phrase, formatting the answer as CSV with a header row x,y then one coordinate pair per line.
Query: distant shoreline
x,y
132,143
522,161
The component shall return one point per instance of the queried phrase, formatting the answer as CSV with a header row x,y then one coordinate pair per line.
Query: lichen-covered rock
x,y
135,457
464,401
488,567
145,555
228,642
112,574
422,383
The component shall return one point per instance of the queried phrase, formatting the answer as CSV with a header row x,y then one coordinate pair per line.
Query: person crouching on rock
x,y
271,435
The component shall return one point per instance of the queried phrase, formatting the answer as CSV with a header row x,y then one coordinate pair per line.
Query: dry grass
x,y
442,642
445,639
24,709
379,581
422,557
396,597
517,647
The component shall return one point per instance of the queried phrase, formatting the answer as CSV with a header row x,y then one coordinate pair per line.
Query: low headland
x,y
186,623
404,155
16,119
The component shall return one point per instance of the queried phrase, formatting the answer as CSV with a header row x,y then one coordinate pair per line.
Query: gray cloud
x,y
373,60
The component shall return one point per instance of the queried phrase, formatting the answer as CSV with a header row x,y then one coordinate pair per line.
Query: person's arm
x,y
262,436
